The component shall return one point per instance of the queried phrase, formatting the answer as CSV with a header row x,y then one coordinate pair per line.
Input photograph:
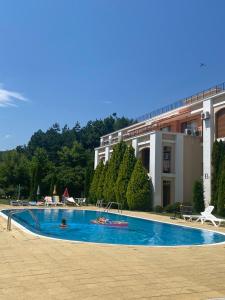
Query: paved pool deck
x,y
34,267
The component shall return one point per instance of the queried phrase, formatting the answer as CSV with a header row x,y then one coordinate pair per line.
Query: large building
x,y
175,144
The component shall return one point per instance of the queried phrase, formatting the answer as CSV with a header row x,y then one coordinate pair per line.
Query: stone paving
x,y
38,268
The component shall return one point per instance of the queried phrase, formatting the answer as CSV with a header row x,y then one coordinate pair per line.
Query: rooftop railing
x,y
183,102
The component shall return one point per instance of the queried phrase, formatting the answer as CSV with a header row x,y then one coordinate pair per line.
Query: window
x,y
166,159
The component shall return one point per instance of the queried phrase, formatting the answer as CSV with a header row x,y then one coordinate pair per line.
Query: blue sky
x,y
67,60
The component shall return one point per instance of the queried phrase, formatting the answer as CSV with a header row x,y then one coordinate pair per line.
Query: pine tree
x,y
102,182
218,154
95,181
139,191
112,172
198,196
221,191
125,172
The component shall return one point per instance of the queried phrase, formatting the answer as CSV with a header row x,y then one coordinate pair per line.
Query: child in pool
x,y
63,223
102,220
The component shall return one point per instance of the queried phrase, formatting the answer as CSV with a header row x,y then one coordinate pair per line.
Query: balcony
x,y
185,101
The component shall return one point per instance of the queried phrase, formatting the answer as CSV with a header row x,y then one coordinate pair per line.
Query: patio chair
x,y
208,216
190,217
36,203
49,202
100,203
15,202
55,200
182,210
80,201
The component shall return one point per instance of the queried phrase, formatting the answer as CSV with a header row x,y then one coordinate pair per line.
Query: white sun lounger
x,y
205,216
71,201
207,210
191,217
49,202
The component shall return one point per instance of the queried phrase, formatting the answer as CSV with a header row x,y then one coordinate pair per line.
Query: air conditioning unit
x,y
188,131
196,132
205,115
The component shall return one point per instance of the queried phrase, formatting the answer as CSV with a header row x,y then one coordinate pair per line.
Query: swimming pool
x,y
139,231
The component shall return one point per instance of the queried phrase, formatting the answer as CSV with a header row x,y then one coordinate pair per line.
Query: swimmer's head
x,y
63,221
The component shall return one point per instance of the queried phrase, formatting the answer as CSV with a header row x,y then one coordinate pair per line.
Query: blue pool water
x,y
139,231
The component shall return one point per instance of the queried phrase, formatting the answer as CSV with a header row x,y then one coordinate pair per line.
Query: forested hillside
x,y
60,156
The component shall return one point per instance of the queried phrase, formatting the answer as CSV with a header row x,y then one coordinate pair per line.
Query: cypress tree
x,y
125,172
221,191
95,181
139,191
218,154
198,196
102,182
112,172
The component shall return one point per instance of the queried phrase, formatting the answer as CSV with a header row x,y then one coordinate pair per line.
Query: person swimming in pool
x,y
63,223
102,220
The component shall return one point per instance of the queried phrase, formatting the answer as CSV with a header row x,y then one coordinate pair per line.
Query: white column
x,y
96,159
135,146
101,141
179,170
106,154
208,138
120,136
156,166
110,139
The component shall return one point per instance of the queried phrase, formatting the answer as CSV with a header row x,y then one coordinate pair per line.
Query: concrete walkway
x,y
39,268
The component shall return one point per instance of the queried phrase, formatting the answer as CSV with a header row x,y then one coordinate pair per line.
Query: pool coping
x,y
108,244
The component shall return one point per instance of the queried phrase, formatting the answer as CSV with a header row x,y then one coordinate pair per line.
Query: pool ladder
x,y
109,205
9,222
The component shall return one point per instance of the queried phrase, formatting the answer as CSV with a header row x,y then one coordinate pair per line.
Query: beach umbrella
x,y
66,193
54,190
38,190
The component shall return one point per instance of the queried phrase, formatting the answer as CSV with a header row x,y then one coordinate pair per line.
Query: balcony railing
x,y
154,127
140,131
183,102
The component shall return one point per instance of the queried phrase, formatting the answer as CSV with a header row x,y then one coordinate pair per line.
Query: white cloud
x,y
107,102
9,98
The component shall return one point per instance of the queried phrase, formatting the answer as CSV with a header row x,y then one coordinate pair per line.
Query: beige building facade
x,y
175,144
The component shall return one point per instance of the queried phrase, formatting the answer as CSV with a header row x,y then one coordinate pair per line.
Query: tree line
x,y
61,157
122,179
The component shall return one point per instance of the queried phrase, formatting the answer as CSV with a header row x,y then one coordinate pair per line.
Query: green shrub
x,y
158,209
171,208
139,191
198,196
95,181
218,154
112,172
221,192
125,172
101,182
